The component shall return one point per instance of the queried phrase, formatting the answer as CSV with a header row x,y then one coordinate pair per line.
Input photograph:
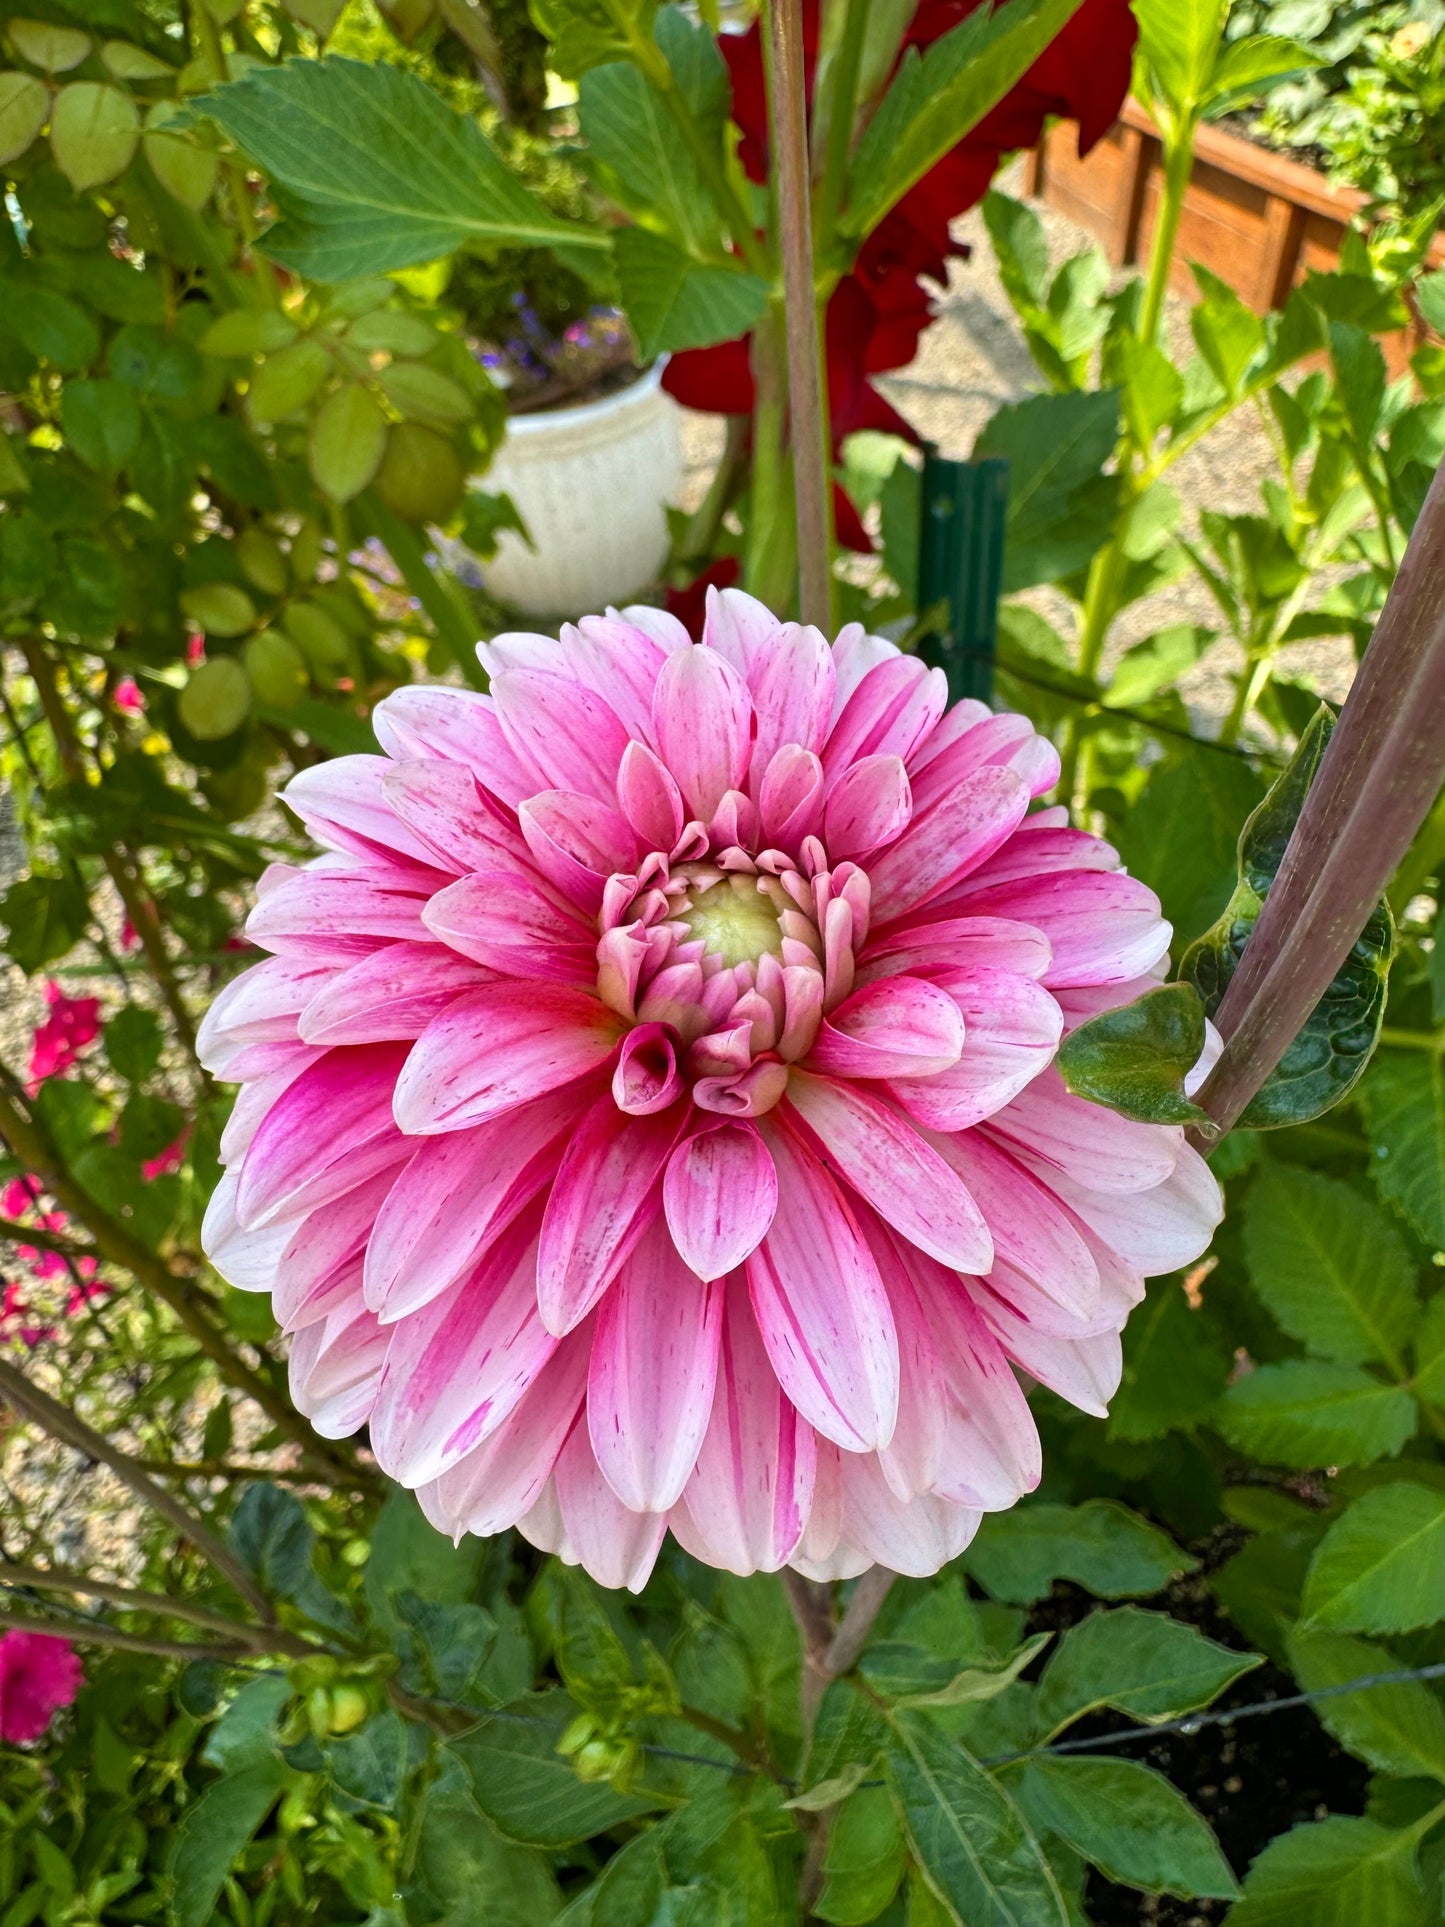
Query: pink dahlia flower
x,y
647,1116
38,1674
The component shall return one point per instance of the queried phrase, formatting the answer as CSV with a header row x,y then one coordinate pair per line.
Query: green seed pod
x,y
277,669
216,700
421,479
24,105
349,1707
93,132
262,561
347,440
220,608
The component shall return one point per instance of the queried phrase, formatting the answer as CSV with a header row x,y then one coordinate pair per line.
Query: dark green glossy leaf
x,y
1116,1554
1128,1821
1140,1663
213,1832
43,916
1135,1059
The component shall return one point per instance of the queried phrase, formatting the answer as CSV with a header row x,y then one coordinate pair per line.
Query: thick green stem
x,y
1178,166
807,408
842,104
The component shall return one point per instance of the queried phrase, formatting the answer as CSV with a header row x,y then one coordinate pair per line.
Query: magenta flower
x,y
647,1116
73,1023
38,1674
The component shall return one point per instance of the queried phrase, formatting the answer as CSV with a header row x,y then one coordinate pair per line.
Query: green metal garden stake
x,y
960,565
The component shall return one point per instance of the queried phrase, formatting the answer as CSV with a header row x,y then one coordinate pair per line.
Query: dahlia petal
x,y
606,1192
334,915
577,843
890,713
1053,1131
455,1369
563,730
430,721
854,654
702,720
249,1260
498,1481
666,631
991,742
792,684
746,1504
897,1027
391,994
1031,1230
647,1078
719,1192
914,1537
1085,1371
956,835
326,1133
258,1007
1012,1028
913,1458
869,806
256,1096
343,804
325,1246
821,1307
621,662
334,1368
499,1047
791,796
513,925
444,806
616,1546
524,649
1045,852
650,1383
650,798
458,1192
998,943
893,1169
1103,926
739,628
1154,1231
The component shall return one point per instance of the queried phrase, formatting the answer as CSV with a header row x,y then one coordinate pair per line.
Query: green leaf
x,y
1397,1729
1061,504
1176,1364
370,1764
1227,333
587,33
1151,665
937,97
1308,1412
372,171
1332,1271
970,1839
1135,1059
1359,367
1404,1104
1326,1059
245,1735
975,1683
1144,1664
1127,1821
468,1873
133,1041
212,1834
1178,45
525,1787
1182,833
44,916
1381,1567
673,303
628,126
101,420
269,1533
1429,1380
1113,1552
865,1860
1334,1873
409,1555
348,438
55,328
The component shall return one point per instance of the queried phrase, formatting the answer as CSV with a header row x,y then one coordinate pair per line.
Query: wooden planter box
x,y
1257,219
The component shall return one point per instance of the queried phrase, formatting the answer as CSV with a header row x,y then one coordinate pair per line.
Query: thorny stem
x,y
811,443
1381,773
71,1430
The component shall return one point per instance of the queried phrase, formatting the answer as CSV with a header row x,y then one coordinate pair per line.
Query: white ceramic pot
x,y
592,485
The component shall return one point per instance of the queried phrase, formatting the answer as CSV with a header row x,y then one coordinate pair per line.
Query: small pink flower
x,y
18,1198
12,1304
128,936
648,1115
195,649
73,1023
170,1159
38,1674
86,1293
128,697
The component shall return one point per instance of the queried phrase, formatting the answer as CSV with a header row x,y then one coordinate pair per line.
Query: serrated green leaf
x,y
213,1832
370,1764
1116,1554
1381,1567
1334,1873
1309,1412
672,302
1127,1821
1397,1729
628,126
373,171
1061,504
1325,1061
525,1787
1404,1104
1331,1270
1134,1060
967,1835
1140,1663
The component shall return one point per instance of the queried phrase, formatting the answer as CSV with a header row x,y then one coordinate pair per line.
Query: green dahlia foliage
x,y
302,1704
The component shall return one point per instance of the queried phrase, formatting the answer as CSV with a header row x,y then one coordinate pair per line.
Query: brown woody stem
x,y
62,1579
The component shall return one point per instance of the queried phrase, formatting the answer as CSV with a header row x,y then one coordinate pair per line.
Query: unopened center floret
x,y
734,917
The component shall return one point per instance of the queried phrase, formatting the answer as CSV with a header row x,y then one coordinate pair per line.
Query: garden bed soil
x,y
1258,219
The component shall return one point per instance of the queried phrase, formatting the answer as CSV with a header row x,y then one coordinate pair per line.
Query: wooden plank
x,y
1283,231
1139,153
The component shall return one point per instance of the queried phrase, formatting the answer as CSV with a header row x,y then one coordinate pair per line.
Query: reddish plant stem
x,y
1378,779
788,114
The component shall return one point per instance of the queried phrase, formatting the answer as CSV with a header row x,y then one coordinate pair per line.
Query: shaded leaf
x,y
1381,1567
1128,1821
1144,1664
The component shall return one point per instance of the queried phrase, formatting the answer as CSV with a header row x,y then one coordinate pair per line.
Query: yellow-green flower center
x,y
733,918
